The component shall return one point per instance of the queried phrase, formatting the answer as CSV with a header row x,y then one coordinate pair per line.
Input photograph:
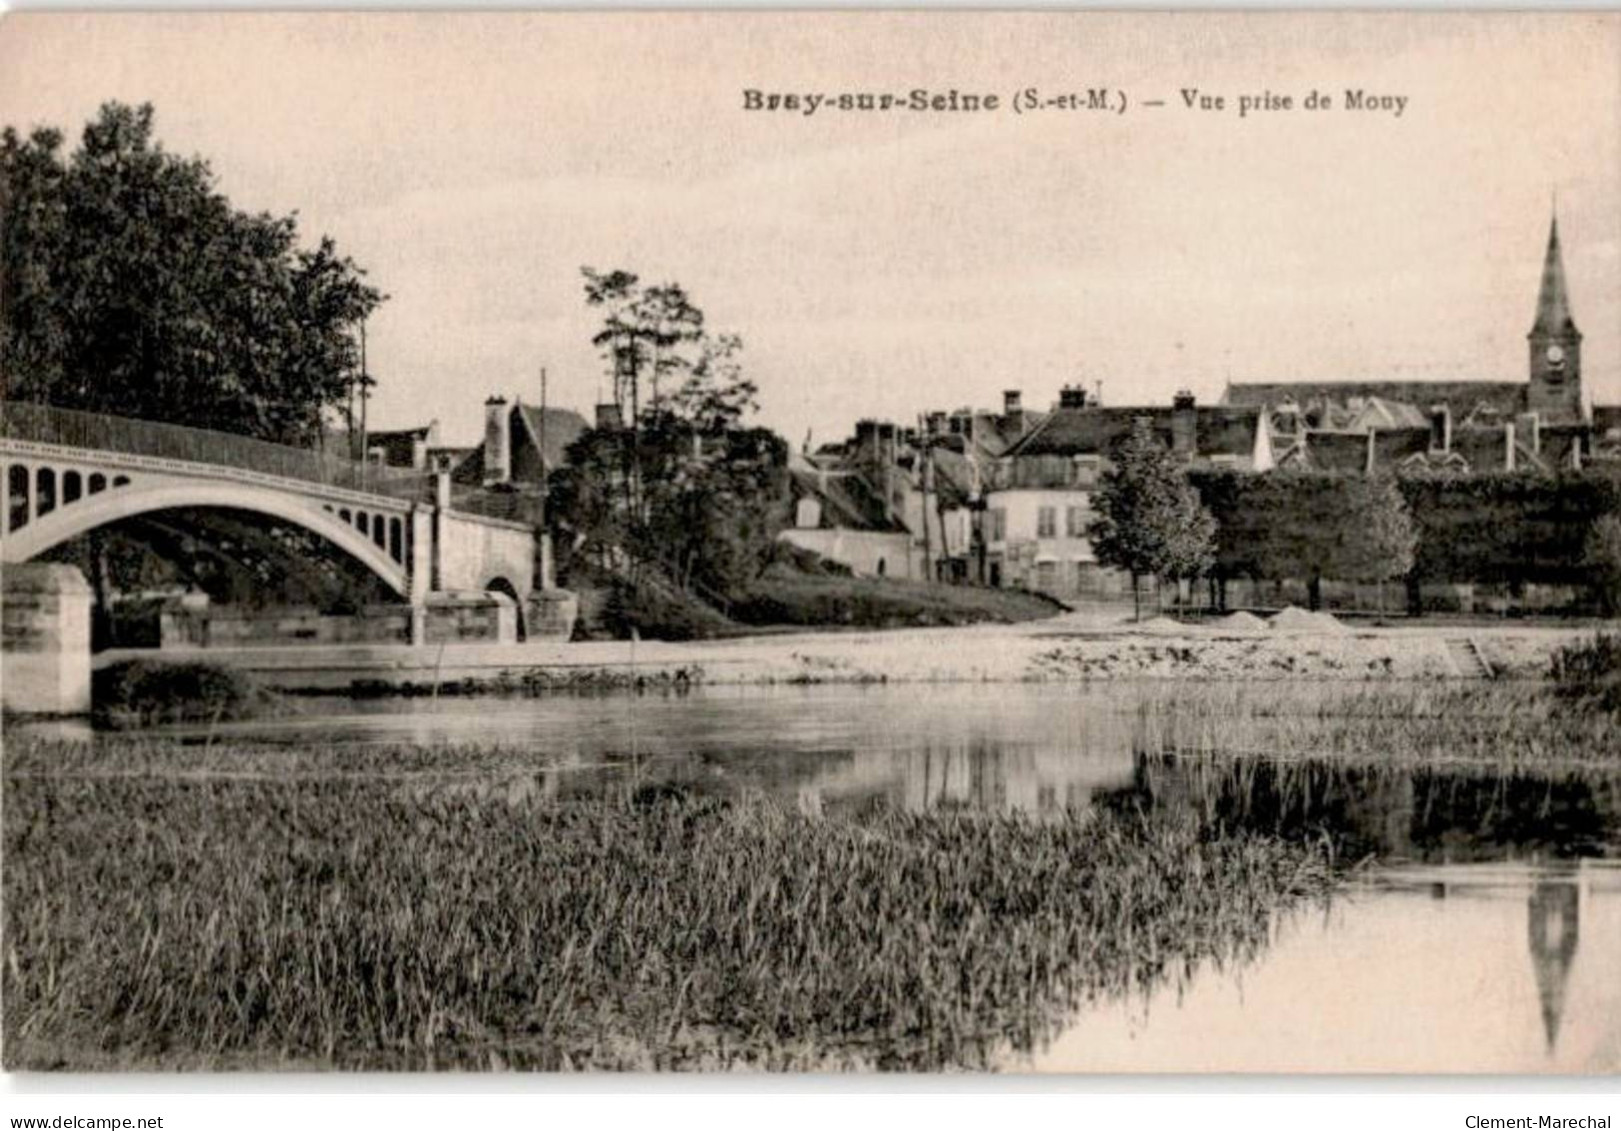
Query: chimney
x,y
1184,425
1072,396
608,417
886,463
419,451
1013,408
867,452
497,452
1528,426
1440,428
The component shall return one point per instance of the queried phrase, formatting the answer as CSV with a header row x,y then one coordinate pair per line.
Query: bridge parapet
x,y
61,427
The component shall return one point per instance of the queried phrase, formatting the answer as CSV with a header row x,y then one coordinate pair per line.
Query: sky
x,y
889,264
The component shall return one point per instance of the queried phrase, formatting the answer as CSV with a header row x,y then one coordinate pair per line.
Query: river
x,y
1482,933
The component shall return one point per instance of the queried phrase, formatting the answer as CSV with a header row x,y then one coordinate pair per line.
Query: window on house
x,y
1047,522
1046,576
1075,521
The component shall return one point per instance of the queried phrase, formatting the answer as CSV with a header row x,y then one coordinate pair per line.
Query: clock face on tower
x,y
1555,355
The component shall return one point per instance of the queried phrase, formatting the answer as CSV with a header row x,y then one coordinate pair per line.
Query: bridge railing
x,y
45,424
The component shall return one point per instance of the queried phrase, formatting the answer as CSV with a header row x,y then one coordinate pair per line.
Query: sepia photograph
x,y
1035,543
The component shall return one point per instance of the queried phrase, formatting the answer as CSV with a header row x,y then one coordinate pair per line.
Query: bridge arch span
x,y
65,523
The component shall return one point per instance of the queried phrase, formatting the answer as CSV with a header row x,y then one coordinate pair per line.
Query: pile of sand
x,y
1240,623
1292,619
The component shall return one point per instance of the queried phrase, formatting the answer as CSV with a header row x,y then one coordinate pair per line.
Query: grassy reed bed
x,y
1502,724
157,921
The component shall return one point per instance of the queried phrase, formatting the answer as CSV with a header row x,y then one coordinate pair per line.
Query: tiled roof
x,y
1462,398
399,445
1392,445
1336,451
849,500
562,427
1218,430
953,477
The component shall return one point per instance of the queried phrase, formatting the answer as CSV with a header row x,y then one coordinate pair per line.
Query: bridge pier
x,y
45,643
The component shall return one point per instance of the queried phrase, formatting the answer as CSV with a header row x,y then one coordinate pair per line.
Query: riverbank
x,y
1073,647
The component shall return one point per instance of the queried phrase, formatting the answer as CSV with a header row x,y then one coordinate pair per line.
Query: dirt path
x,y
1070,647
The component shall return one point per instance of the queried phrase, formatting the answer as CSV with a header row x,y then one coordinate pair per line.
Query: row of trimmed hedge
x,y
1504,528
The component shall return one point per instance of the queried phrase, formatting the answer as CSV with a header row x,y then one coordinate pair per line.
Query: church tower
x,y
1555,392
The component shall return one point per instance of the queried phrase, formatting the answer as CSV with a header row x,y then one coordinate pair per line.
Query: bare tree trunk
x,y
1136,599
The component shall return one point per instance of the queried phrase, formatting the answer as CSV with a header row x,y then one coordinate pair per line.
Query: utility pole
x,y
925,476
544,469
365,395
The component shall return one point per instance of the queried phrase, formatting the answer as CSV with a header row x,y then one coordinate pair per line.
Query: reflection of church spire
x,y
1553,925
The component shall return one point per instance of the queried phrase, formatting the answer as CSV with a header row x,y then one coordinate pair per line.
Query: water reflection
x,y
1390,979
1481,936
1553,926
1395,813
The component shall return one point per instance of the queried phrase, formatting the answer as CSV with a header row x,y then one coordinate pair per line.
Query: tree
x,y
130,285
1378,539
1150,520
685,488
1602,556
643,333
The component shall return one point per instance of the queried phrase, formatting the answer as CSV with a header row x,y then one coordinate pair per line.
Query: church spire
x,y
1553,302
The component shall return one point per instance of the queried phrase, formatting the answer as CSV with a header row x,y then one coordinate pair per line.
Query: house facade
x,y
896,501
1039,500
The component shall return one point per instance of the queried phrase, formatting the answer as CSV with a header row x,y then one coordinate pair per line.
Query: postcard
x,y
906,541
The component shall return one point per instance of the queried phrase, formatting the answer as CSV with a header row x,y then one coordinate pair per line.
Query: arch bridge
x,y
65,473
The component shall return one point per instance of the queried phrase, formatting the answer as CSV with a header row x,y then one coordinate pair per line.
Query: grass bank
x,y
162,920
148,692
790,597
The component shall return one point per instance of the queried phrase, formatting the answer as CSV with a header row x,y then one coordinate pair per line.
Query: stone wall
x,y
473,554
45,639
470,617
550,615
454,618
193,623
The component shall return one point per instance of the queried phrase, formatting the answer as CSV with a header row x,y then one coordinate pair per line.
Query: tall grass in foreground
x,y
172,922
